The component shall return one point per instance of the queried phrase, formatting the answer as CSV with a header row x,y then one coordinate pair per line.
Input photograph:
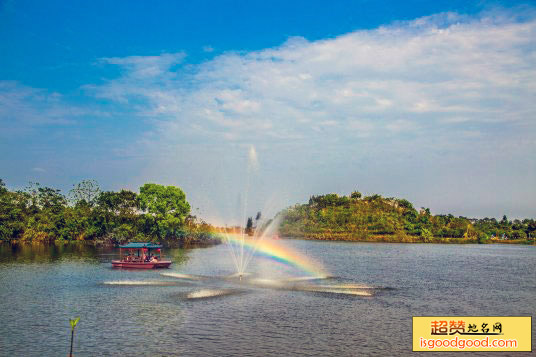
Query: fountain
x,y
243,246
259,242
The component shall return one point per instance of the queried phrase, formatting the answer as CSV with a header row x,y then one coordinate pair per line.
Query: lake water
x,y
42,287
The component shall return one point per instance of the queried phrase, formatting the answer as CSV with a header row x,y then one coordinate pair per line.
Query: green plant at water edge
x,y
73,323
426,235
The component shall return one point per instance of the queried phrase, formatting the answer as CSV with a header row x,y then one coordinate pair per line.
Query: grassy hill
x,y
376,218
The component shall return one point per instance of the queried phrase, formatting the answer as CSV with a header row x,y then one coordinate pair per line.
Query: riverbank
x,y
195,240
388,219
345,237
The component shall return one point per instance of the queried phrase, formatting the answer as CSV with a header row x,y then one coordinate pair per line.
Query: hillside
x,y
376,218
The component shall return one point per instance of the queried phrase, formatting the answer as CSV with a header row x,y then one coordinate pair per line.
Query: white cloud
x,y
401,125
406,109
23,107
436,70
141,67
421,98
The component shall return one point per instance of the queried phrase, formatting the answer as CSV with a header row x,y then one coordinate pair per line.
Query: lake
x,y
142,313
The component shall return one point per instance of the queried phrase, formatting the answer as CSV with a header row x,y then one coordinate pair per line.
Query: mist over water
x,y
43,288
256,236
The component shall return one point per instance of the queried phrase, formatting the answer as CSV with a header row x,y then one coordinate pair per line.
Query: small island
x,y
379,219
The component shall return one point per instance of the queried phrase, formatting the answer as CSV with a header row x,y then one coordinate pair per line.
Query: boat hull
x,y
141,265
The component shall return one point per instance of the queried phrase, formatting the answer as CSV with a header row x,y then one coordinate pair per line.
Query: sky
x,y
257,105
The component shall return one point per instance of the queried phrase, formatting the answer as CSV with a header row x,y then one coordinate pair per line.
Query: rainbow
x,y
271,249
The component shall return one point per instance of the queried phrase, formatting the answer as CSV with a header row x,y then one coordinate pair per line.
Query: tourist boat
x,y
141,256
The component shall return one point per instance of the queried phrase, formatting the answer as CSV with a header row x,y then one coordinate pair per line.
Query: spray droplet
x,y
253,161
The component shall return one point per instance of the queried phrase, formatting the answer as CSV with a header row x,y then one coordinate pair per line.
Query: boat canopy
x,y
140,245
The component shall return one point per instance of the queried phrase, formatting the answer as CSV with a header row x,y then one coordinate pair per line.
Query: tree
x,y
41,214
249,226
531,225
13,215
85,192
426,235
123,205
355,195
425,211
3,188
47,207
165,206
519,234
373,198
405,204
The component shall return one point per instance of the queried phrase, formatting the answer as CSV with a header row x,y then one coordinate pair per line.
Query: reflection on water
x,y
330,286
184,276
198,308
40,253
211,293
145,283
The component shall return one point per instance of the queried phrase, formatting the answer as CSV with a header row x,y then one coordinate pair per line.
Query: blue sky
x,y
433,101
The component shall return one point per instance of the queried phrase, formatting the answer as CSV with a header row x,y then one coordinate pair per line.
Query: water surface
x,y
143,313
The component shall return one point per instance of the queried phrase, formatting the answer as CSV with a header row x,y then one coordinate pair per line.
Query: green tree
x,y
355,195
114,210
482,238
13,213
47,220
3,188
519,234
403,203
372,198
85,192
426,235
165,209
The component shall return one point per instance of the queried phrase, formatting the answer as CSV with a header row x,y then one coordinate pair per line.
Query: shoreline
x,y
406,239
100,243
321,237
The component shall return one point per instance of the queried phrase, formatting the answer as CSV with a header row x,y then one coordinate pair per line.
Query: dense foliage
x,y
44,214
390,219
161,213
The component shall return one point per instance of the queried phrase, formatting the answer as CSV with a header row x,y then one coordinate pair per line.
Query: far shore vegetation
x,y
162,214
379,219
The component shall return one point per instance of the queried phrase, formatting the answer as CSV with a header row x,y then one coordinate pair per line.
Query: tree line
x,y
44,214
374,217
162,213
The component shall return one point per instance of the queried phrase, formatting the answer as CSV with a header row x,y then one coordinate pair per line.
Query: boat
x,y
141,255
